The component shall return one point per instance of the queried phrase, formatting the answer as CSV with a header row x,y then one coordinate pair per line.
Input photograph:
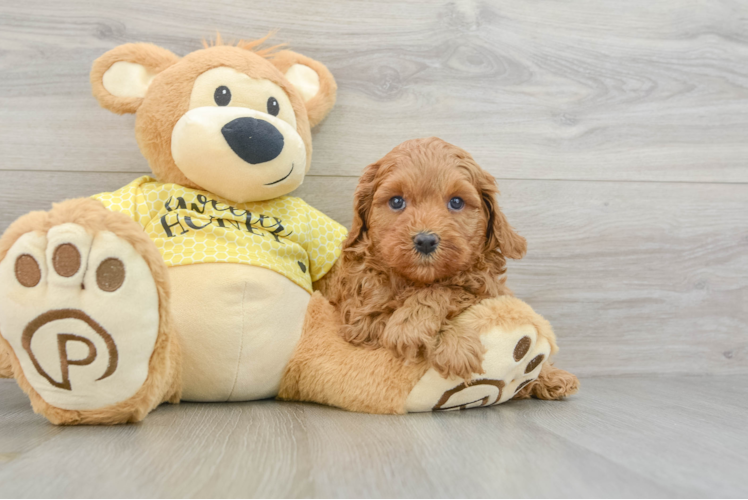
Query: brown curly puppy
x,y
428,241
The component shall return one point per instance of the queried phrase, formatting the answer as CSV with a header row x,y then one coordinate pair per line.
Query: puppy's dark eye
x,y
397,203
273,107
222,96
456,203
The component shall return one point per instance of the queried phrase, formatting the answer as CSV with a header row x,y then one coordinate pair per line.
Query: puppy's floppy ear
x,y
312,79
120,78
363,199
500,234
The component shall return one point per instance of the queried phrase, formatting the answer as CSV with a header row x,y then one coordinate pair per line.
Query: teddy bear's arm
x,y
131,200
322,238
324,284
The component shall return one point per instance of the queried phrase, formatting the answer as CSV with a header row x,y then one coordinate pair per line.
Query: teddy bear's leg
x,y
326,369
84,317
517,345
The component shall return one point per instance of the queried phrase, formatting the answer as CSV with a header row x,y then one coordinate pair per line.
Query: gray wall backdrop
x,y
618,132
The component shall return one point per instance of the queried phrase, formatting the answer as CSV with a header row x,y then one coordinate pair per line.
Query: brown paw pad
x,y
523,384
27,271
110,274
534,363
66,260
520,350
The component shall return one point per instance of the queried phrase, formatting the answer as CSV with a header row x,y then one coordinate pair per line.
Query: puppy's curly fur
x,y
392,295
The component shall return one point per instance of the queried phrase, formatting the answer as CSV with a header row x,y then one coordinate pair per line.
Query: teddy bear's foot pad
x,y
513,359
80,313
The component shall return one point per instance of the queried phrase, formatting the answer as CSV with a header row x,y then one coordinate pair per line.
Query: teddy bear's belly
x,y
238,326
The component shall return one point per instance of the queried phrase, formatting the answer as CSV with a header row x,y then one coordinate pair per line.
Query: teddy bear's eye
x,y
273,107
222,96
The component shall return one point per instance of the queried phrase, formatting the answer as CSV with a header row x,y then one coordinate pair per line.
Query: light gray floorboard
x,y
662,436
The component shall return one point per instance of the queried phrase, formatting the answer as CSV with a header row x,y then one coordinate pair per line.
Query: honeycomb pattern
x,y
190,226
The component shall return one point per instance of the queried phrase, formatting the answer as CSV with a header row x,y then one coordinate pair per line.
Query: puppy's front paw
x,y
405,340
458,355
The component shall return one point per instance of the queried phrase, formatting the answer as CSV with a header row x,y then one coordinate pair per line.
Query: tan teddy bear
x,y
94,291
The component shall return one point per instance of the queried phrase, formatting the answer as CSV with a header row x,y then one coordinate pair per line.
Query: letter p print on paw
x,y
80,313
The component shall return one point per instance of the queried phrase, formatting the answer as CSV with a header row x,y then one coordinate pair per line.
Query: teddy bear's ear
x,y
313,81
120,78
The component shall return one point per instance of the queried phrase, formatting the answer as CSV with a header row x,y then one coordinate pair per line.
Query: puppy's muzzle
x,y
254,141
425,243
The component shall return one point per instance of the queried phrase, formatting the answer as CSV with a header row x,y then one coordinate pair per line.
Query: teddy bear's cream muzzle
x,y
239,153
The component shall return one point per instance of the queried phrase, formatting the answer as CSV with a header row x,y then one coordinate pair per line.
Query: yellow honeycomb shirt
x,y
189,226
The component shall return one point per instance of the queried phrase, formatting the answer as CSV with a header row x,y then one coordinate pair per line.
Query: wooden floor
x,y
637,436
618,132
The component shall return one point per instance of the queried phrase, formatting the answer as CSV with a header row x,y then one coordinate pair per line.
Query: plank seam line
x,y
538,179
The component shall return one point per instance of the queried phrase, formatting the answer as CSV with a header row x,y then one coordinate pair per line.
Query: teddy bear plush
x,y
192,284
198,283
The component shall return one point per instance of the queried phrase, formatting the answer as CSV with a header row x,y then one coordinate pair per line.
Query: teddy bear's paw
x,y
513,358
81,314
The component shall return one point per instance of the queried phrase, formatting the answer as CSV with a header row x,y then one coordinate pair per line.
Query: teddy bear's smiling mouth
x,y
282,178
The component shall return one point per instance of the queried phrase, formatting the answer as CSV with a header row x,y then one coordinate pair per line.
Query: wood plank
x,y
635,277
627,436
418,454
679,420
535,90
248,450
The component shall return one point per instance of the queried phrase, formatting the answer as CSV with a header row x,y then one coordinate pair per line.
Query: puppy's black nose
x,y
425,243
254,141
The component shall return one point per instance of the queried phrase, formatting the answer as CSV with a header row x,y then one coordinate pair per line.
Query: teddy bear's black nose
x,y
254,141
